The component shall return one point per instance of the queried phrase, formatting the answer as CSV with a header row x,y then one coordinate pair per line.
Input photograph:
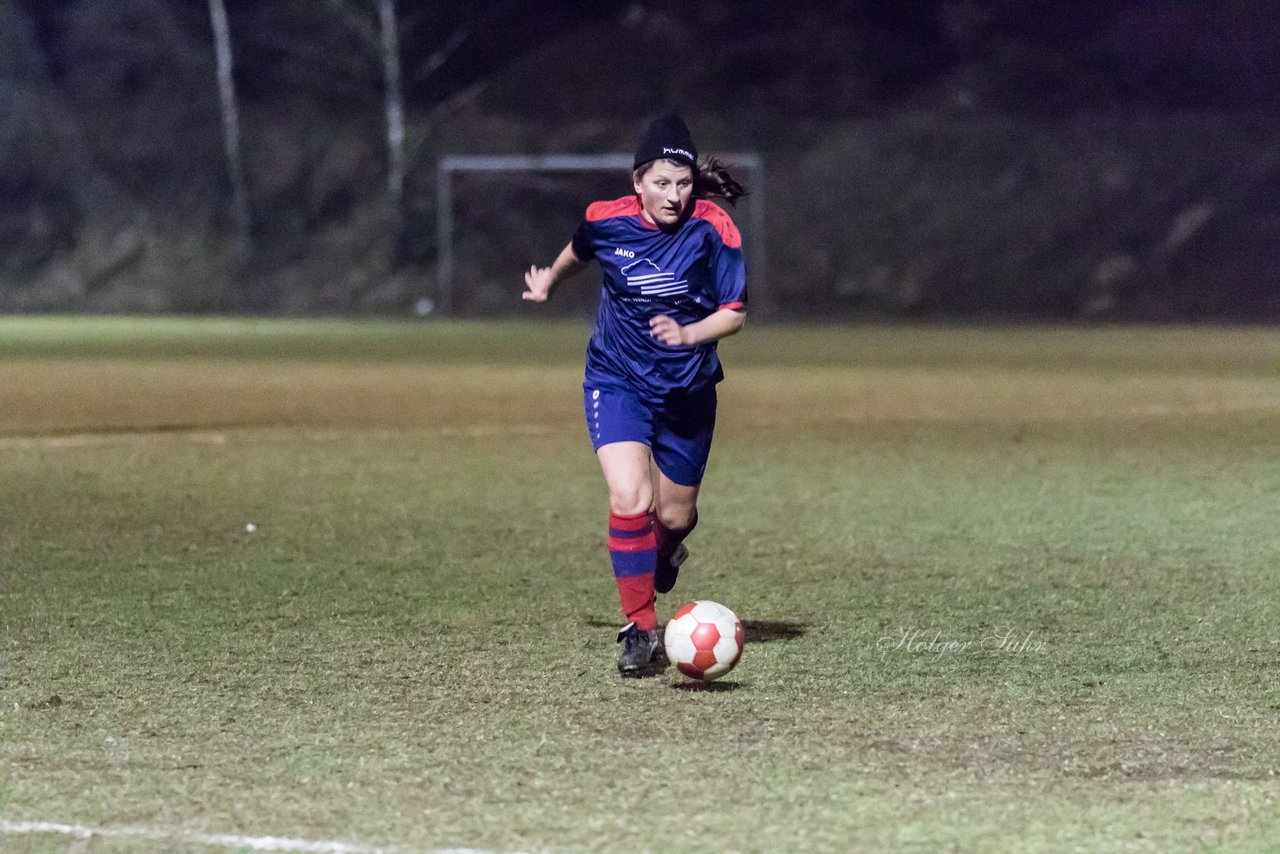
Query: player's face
x,y
665,190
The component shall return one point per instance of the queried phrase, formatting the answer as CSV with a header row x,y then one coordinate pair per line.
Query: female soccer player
x,y
674,285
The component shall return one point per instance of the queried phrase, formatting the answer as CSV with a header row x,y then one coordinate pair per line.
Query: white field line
x,y
206,437
222,840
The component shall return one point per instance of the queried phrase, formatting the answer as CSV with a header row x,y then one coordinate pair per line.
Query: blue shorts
x,y
678,430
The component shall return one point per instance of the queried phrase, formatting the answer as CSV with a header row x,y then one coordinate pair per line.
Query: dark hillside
x,y
1061,160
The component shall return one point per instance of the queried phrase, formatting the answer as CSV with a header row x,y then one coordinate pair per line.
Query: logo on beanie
x,y
667,137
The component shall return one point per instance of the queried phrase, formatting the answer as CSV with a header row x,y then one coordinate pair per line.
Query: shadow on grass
x,y
767,631
695,687
755,631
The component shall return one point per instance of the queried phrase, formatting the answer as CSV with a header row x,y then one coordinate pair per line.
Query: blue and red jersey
x,y
686,274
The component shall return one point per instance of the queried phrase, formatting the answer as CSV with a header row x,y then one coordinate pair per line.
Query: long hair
x,y
711,178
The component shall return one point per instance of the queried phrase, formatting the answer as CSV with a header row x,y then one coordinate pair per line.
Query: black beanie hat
x,y
667,138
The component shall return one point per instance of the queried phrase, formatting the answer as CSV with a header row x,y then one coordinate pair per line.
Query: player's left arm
x,y
719,324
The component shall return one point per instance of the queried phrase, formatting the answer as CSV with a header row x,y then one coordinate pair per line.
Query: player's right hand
x,y
537,282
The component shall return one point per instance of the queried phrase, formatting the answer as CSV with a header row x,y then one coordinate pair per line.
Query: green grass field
x,y
1005,589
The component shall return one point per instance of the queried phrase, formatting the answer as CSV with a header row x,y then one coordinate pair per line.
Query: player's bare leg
x,y
675,513
633,551
626,473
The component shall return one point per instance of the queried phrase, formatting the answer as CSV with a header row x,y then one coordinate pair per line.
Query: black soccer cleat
x,y
642,652
664,576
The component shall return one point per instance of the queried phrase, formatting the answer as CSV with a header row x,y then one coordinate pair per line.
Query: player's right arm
x,y
541,281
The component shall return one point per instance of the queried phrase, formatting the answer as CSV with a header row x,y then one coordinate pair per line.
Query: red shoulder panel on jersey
x,y
715,215
625,206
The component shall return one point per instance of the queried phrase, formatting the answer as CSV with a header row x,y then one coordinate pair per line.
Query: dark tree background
x,y
948,158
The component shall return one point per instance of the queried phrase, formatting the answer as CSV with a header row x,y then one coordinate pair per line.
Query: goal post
x,y
446,271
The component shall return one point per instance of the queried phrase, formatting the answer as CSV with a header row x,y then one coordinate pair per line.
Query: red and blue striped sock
x,y
634,553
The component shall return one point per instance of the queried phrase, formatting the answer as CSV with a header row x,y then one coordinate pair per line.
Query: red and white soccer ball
x,y
704,640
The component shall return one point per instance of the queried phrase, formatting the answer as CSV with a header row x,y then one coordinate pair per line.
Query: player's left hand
x,y
669,332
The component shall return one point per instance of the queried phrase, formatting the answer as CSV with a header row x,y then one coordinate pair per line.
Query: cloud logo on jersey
x,y
648,278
